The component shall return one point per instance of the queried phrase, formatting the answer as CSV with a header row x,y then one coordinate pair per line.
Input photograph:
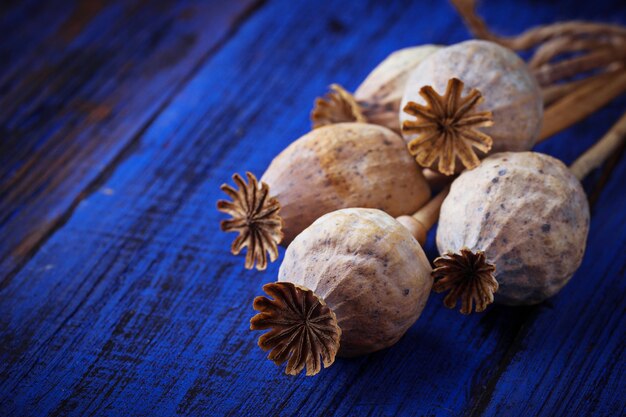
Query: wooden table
x,y
118,296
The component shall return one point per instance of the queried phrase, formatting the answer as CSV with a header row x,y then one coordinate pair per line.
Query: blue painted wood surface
x,y
76,100
125,301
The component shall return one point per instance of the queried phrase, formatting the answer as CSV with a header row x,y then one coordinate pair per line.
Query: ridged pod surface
x,y
380,94
368,269
530,216
509,89
340,166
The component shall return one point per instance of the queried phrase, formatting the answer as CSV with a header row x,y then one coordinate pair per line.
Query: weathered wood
x,y
26,26
135,306
74,103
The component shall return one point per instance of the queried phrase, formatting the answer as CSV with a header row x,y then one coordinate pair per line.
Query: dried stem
x,y
557,91
534,36
582,102
553,48
566,44
549,73
422,220
603,149
593,45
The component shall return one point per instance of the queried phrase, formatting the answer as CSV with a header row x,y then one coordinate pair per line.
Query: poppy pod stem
x,y
422,220
598,153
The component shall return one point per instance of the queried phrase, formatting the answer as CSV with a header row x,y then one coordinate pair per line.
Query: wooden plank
x,y
24,28
135,307
75,103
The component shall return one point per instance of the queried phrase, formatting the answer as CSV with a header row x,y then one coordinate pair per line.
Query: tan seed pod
x,y
509,90
377,99
341,166
367,269
337,166
525,214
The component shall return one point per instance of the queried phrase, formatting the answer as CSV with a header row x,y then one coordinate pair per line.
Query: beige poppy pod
x,y
363,266
337,166
341,166
380,94
508,89
377,99
525,214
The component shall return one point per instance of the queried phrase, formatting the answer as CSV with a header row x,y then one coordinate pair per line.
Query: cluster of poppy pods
x,y
352,202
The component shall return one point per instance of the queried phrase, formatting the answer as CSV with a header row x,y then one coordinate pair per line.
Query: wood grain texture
x,y
135,307
74,102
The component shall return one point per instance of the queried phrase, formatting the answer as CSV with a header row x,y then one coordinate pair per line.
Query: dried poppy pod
x,y
521,218
440,113
337,166
352,283
377,99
